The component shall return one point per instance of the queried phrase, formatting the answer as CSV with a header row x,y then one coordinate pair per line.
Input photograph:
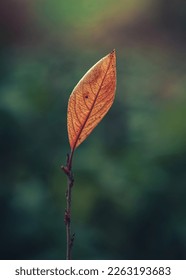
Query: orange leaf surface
x,y
91,99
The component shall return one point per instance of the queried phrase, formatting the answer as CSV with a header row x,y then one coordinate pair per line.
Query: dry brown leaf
x,y
91,99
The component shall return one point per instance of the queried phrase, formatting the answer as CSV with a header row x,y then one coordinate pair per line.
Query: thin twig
x,y
67,218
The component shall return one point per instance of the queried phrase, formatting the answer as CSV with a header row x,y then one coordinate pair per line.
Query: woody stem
x,y
67,218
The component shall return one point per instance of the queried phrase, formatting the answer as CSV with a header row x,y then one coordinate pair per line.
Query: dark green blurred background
x,y
130,174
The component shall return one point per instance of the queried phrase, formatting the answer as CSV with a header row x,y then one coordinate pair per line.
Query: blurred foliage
x,y
130,174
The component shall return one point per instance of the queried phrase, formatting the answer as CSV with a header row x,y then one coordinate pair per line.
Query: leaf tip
x,y
113,52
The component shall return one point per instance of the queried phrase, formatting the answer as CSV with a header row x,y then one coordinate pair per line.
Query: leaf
x,y
91,99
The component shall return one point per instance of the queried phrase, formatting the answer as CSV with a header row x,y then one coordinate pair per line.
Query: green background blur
x,y
129,197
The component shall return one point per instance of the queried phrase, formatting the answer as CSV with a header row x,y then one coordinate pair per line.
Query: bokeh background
x,y
129,198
